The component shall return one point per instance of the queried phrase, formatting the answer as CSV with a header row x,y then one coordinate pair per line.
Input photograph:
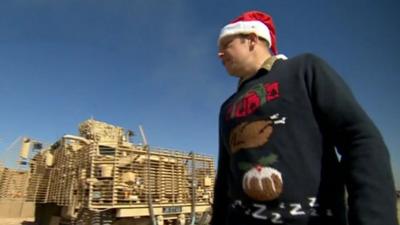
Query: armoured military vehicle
x,y
101,177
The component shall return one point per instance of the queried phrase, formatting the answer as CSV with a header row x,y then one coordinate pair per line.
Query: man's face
x,y
234,51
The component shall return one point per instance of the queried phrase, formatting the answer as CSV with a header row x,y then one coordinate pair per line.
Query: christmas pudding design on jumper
x,y
260,182
253,134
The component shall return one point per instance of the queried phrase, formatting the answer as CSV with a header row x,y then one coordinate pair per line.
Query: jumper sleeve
x,y
221,200
364,156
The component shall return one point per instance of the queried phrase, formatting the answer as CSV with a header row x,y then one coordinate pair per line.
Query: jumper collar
x,y
267,65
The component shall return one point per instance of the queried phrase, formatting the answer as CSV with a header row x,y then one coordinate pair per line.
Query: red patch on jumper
x,y
251,101
272,90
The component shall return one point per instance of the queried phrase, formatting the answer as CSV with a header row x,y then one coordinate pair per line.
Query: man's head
x,y
246,42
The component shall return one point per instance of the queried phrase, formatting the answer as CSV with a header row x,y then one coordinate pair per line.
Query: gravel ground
x,y
398,210
29,221
17,221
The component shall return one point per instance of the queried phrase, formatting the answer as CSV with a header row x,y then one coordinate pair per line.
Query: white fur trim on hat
x,y
281,56
246,27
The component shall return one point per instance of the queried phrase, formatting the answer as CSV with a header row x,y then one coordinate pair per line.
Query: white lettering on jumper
x,y
277,215
258,213
313,204
296,210
276,218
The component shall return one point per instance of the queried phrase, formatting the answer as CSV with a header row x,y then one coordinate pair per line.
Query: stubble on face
x,y
233,52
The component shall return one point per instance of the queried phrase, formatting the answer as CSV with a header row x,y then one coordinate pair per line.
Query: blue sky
x,y
153,63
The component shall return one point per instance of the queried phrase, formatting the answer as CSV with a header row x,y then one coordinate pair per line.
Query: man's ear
x,y
253,39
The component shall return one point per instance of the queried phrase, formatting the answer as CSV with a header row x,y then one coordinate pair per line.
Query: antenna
x,y
143,136
149,196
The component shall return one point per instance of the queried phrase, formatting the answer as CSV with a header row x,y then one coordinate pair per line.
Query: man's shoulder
x,y
301,62
305,58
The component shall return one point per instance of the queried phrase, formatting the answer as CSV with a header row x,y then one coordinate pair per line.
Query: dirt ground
x,y
17,221
29,221
398,210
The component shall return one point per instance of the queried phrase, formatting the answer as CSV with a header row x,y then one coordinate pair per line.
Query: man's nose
x,y
220,55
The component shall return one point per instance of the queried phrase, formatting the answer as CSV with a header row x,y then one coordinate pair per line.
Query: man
x,y
295,146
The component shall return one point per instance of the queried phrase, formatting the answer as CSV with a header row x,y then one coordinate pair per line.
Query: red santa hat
x,y
255,22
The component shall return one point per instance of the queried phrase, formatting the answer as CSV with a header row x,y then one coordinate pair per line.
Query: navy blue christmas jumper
x,y
292,140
